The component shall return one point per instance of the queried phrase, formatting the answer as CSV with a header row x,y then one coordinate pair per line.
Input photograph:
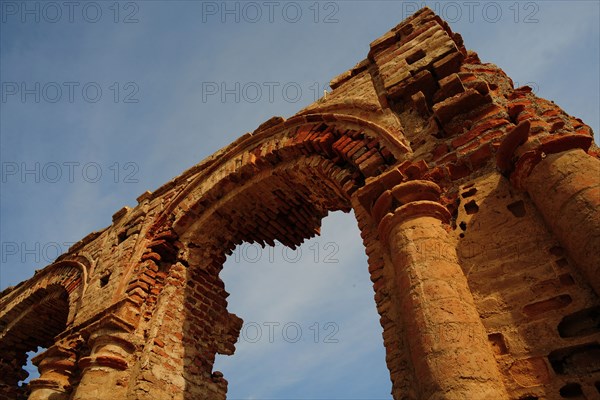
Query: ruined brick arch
x,y
280,140
33,315
279,187
330,145
69,275
343,142
477,204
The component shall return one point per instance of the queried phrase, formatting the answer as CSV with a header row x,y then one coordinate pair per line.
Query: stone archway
x,y
33,316
422,140
280,188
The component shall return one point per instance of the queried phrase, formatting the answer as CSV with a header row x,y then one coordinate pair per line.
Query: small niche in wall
x,y
416,56
469,193
571,391
581,323
122,236
104,280
576,360
471,207
498,343
544,306
517,208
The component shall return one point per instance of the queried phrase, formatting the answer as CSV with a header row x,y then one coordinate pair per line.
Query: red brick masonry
x,y
478,206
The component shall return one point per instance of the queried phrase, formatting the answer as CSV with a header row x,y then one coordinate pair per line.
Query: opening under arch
x,y
35,323
308,313
277,196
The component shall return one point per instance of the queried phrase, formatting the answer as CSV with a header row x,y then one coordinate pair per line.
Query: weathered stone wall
x,y
478,209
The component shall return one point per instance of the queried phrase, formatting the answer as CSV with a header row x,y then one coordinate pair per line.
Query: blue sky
x,y
126,101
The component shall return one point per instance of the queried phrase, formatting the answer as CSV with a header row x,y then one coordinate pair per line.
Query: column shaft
x,y
448,343
565,188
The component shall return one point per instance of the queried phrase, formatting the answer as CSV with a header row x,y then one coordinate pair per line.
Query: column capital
x,y
55,356
56,366
109,339
406,212
407,200
519,153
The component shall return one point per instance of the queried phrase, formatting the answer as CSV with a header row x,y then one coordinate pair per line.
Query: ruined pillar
x,y
564,184
11,373
56,366
448,345
105,372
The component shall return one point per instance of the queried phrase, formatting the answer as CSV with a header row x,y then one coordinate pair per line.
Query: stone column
x,y
449,350
105,374
56,366
564,184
